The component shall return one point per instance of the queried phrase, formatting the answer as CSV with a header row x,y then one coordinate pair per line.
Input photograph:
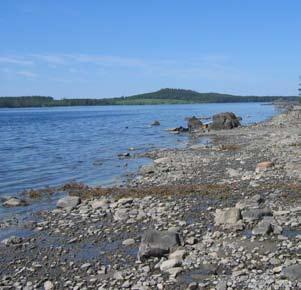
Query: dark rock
x,y
158,243
194,124
178,129
123,155
224,121
256,213
156,123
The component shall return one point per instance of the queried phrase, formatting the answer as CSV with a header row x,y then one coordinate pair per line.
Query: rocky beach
x,y
225,215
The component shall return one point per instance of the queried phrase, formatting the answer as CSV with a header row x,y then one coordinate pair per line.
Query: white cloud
x,y
27,74
15,61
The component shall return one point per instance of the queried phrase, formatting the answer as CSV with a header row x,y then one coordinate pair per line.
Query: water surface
x,y
50,146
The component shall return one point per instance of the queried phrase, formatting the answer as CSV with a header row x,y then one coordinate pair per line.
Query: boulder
x,y
264,227
14,201
68,202
158,243
227,216
224,121
194,124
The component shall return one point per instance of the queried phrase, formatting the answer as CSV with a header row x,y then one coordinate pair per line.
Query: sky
x,y
111,48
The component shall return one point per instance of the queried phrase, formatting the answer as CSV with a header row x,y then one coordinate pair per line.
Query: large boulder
x,y
225,121
158,243
194,124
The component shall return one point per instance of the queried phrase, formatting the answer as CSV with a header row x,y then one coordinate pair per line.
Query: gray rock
x,y
222,285
158,243
227,216
255,213
128,242
171,263
292,272
48,285
68,202
264,227
252,202
194,124
174,272
224,121
121,214
178,254
100,204
12,240
14,201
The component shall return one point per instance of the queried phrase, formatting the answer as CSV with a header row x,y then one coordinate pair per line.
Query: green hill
x,y
163,96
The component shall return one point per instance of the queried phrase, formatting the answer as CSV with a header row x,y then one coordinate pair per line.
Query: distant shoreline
x,y
161,97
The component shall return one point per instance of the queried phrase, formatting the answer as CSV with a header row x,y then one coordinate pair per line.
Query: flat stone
x,y
292,272
227,216
101,203
68,202
178,254
174,272
171,263
252,202
14,201
128,242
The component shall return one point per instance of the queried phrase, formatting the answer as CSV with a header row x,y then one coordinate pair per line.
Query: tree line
x,y
163,96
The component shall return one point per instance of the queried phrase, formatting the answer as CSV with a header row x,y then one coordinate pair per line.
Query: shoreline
x,y
97,241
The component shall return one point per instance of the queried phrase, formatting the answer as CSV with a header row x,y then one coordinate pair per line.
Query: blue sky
x,y
110,48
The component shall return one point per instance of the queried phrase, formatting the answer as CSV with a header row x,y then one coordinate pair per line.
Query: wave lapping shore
x,y
226,215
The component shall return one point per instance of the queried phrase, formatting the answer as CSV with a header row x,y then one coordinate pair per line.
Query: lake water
x,y
51,146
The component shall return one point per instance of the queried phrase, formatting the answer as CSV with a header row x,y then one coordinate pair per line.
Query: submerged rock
x,y
158,243
224,121
156,123
14,201
178,129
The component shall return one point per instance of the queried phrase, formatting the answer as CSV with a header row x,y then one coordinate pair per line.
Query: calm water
x,y
51,146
